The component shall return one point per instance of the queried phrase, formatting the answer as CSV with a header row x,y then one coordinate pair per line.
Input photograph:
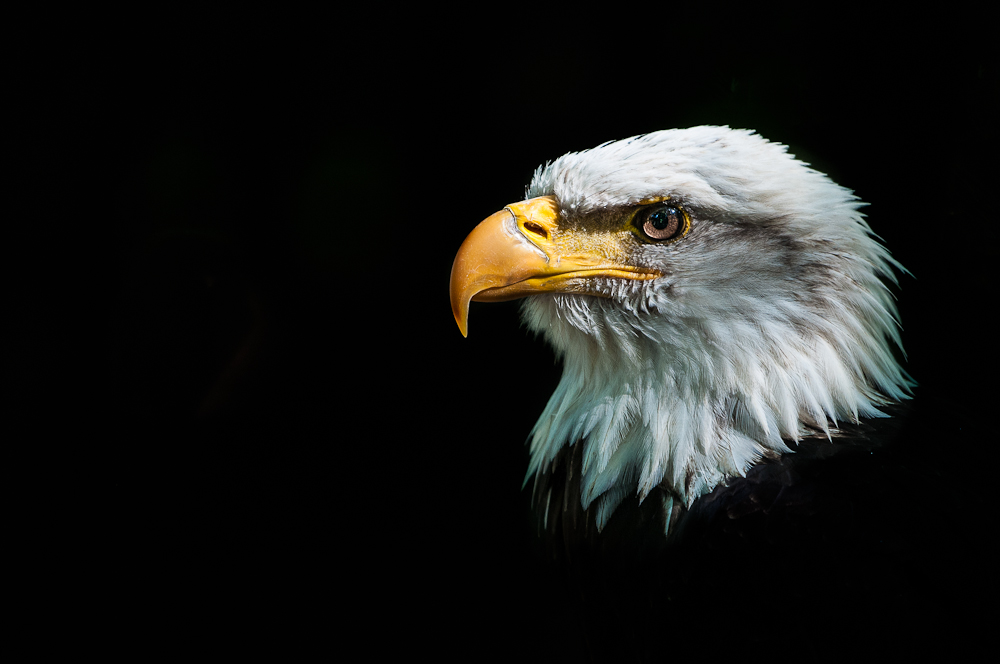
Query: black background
x,y
279,422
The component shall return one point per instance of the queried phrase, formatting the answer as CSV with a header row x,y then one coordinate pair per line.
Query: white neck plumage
x,y
688,407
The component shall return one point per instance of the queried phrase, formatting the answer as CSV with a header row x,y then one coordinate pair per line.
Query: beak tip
x,y
463,323
460,296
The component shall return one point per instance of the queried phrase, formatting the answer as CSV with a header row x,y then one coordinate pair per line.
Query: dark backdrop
x,y
283,419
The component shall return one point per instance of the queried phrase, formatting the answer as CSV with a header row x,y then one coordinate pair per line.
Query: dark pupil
x,y
662,218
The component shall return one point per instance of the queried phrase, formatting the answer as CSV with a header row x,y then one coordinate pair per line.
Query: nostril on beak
x,y
532,227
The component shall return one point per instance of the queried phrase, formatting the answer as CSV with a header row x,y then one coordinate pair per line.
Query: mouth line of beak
x,y
543,283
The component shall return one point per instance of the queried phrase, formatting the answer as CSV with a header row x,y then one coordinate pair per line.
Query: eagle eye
x,y
662,222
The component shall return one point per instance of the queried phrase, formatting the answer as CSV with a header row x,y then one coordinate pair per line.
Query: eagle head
x,y
711,298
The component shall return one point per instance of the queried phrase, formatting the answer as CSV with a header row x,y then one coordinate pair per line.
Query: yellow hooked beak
x,y
520,251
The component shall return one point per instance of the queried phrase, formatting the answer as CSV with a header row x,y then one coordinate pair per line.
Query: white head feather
x,y
771,320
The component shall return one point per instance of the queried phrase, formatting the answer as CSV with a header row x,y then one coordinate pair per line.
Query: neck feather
x,y
687,409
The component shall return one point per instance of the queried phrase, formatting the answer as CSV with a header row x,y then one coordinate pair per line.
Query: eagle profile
x,y
712,299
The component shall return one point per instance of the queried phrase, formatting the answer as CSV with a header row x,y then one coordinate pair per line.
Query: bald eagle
x,y
714,302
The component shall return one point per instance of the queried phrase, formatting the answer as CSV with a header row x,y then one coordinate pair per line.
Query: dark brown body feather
x,y
818,552
821,477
